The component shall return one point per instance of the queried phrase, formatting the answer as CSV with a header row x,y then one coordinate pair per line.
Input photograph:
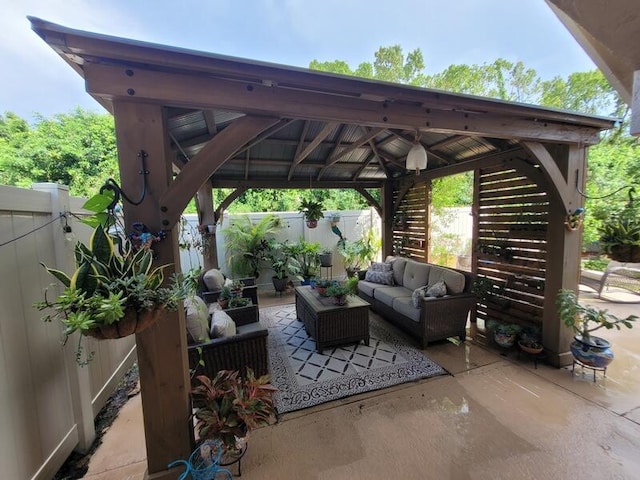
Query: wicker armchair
x,y
248,348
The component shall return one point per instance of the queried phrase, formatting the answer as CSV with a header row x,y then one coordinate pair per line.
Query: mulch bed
x,y
78,463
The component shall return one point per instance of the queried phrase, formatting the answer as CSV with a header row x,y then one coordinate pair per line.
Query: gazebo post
x,y
206,215
162,352
387,218
563,257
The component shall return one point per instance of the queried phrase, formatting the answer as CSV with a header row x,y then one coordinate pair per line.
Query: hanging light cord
x,y
589,197
61,215
113,186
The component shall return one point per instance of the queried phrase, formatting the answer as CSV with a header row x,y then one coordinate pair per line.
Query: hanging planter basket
x,y
132,322
312,223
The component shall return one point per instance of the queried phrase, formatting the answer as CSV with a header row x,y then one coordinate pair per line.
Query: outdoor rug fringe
x,y
305,378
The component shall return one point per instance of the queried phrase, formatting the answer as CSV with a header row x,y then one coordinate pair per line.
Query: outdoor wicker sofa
x,y
437,318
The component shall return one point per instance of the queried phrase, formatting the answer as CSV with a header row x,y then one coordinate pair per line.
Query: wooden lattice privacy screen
x,y
410,223
511,233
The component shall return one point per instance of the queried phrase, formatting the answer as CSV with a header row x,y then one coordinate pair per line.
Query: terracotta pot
x,y
132,322
312,223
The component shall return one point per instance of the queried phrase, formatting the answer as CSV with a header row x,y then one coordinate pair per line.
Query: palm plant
x,y
247,243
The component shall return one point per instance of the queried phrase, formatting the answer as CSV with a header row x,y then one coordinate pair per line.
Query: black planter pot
x,y
280,284
326,259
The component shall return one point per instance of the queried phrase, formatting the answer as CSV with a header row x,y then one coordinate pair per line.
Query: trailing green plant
x,y
584,319
108,283
231,407
247,243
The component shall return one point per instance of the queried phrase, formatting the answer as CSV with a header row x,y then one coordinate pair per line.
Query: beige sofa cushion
x,y
416,275
213,279
452,279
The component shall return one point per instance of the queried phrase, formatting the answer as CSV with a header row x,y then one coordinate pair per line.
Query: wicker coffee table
x,y
330,325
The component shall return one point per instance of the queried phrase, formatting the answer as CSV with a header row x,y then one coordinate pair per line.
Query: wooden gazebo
x,y
208,121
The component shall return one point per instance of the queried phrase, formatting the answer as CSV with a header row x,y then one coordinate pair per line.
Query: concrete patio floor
x,y
495,417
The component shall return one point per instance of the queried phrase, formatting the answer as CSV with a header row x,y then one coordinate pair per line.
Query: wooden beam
x,y
370,200
266,134
376,155
560,185
206,162
303,184
228,201
324,133
207,216
197,91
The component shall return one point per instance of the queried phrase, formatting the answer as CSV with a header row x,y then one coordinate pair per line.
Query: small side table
x,y
329,271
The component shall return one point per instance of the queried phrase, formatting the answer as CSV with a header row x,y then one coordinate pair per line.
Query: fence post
x,y
79,381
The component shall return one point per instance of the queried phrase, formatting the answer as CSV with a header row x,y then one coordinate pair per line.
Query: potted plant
x,y
620,233
312,212
225,296
504,334
356,254
280,258
229,407
236,302
111,294
586,348
247,243
322,285
307,254
529,340
326,257
340,290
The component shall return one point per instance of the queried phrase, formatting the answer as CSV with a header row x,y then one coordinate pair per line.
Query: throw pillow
x,y
417,296
222,325
197,319
380,267
213,279
383,278
437,290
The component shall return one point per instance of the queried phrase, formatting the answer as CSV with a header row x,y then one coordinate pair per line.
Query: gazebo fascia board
x,y
141,82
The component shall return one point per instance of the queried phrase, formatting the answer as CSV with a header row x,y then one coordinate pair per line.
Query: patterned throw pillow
x,y
383,278
417,296
437,290
222,325
380,267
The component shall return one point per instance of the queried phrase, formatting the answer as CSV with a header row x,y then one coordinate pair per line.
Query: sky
x,y
35,80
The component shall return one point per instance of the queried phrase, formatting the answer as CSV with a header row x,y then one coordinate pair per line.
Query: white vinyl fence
x,y
47,402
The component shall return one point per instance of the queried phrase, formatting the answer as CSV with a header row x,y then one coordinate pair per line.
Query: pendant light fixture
x,y
417,156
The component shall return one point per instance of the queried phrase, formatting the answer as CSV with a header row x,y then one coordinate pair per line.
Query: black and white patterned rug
x,y
305,378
